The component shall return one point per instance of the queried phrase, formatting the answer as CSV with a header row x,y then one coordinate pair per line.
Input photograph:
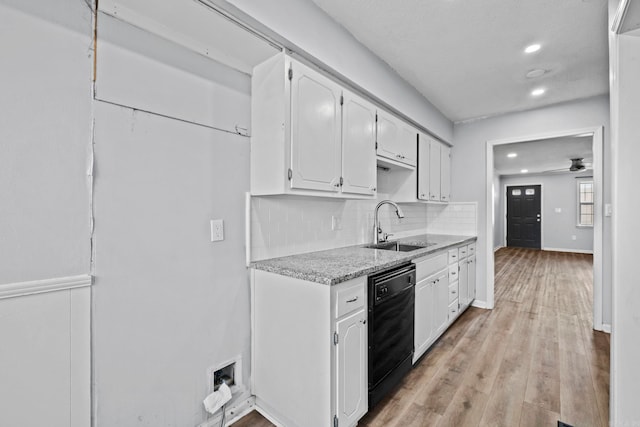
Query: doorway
x,y
492,191
524,216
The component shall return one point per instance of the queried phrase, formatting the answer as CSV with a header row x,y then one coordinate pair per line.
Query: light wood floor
x,y
531,361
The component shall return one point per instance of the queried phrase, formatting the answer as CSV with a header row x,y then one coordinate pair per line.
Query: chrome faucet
x,y
377,231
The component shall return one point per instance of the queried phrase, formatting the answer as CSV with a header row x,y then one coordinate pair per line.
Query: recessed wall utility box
x,y
224,374
231,370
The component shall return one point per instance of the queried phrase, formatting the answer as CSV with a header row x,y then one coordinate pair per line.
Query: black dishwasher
x,y
391,314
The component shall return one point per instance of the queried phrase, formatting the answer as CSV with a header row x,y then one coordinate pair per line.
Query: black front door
x,y
523,216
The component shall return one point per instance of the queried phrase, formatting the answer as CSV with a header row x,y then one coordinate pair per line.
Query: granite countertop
x,y
334,266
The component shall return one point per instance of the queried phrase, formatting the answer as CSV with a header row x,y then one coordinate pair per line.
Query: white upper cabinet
x,y
434,170
445,173
396,139
315,130
423,167
309,136
358,145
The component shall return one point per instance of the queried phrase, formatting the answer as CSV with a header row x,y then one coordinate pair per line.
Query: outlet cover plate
x,y
217,230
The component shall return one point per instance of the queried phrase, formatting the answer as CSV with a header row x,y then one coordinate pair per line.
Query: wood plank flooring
x,y
531,361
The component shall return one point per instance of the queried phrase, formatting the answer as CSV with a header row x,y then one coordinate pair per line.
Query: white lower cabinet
x,y
471,280
445,287
424,330
309,358
431,302
463,283
352,372
467,275
442,301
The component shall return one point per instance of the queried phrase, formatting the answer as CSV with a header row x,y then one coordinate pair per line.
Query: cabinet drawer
x,y
453,309
471,249
348,300
453,292
425,267
462,252
453,273
453,255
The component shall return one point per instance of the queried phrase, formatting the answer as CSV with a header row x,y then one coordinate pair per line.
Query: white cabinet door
x,y
315,130
351,368
434,170
396,139
471,279
424,316
463,283
423,167
445,173
408,144
358,145
441,309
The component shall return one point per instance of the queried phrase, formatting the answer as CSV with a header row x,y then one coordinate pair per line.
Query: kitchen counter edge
x,y
334,266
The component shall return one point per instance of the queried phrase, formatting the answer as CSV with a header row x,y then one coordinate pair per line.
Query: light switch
x,y
558,210
217,230
608,209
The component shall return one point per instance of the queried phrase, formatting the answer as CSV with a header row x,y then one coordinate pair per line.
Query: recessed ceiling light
x,y
532,48
512,155
524,170
537,92
532,74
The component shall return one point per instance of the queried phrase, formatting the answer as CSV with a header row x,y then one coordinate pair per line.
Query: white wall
x,y
45,141
558,191
468,163
168,303
315,32
625,111
45,132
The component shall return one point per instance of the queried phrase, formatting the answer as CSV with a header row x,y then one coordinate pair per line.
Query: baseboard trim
x,y
575,251
606,328
497,248
18,289
479,304
234,413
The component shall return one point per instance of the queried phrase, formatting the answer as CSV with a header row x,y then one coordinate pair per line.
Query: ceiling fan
x,y
577,165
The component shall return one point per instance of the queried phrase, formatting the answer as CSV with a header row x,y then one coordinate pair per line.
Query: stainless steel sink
x,y
398,247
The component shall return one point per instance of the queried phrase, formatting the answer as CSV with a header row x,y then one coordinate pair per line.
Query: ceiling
x,y
467,57
541,156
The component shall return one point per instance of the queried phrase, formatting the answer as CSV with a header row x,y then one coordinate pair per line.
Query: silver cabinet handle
x,y
353,299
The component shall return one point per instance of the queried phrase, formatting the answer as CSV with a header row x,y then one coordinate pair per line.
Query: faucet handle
x,y
385,236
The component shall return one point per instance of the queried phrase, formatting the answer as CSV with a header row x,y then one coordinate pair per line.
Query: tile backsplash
x,y
286,225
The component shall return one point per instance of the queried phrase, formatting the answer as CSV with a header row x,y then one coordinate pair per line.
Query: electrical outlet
x,y
336,222
573,237
217,230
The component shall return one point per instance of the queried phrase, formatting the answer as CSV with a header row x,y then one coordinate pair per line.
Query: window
x,y
585,203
